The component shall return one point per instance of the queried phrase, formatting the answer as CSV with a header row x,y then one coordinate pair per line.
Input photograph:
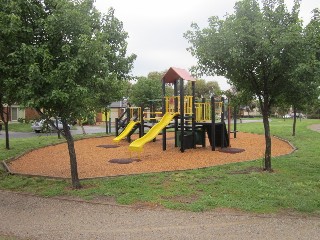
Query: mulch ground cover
x,y
100,157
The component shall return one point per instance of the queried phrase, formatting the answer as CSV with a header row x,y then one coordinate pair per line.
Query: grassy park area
x,y
19,127
294,186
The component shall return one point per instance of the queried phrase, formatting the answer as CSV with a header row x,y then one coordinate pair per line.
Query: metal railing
x,y
203,111
173,104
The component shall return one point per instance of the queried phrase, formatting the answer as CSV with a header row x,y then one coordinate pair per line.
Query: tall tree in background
x,y
203,89
76,63
149,89
144,90
304,81
256,49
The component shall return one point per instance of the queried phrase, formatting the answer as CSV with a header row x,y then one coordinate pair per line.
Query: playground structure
x,y
190,120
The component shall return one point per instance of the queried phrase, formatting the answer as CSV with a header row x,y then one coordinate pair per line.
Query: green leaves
x,y
73,60
257,48
146,89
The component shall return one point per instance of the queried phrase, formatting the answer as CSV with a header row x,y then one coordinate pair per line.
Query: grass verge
x,y
294,186
19,127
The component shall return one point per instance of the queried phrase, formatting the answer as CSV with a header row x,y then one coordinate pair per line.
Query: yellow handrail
x,y
135,114
187,104
203,111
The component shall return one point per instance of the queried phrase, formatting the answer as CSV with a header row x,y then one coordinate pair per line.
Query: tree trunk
x,y
294,121
82,128
267,155
5,121
51,123
6,124
58,130
72,154
6,127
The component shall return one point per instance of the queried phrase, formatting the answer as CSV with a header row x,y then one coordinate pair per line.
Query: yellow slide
x,y
125,132
137,145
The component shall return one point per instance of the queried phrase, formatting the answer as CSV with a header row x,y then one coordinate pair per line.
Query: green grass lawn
x,y
294,186
19,127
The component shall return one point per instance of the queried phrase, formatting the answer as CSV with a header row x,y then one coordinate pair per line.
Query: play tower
x,y
191,120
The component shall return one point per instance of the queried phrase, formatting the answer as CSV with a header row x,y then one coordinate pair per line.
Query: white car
x,y
287,116
43,126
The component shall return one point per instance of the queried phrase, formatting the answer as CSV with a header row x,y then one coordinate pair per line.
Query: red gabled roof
x,y
174,74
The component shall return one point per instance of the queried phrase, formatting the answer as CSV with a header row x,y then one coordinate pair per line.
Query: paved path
x,y
50,218
315,127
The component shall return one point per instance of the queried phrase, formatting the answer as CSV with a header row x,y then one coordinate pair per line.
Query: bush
x,y
23,120
313,116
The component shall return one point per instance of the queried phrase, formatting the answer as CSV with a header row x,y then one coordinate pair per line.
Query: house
x,y
116,109
16,112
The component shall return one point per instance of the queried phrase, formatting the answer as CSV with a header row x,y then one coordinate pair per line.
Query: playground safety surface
x,y
97,158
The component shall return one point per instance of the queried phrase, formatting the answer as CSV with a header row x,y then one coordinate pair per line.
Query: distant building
x,y
116,110
16,112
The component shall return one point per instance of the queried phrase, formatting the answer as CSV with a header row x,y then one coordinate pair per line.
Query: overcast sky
x,y
156,29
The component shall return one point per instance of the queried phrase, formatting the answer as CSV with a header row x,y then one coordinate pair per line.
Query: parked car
x,y
287,116
44,126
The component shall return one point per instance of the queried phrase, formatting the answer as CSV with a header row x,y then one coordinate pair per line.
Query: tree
x,y
256,48
304,81
144,90
282,109
203,89
147,89
76,64
17,25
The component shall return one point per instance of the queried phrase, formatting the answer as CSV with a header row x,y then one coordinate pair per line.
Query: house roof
x,y
119,104
174,74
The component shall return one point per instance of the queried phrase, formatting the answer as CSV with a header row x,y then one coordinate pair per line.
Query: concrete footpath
x,y
31,217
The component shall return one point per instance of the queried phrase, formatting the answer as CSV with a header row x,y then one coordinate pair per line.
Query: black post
x,y
127,122
193,114
182,114
6,126
141,130
222,122
203,100
213,123
164,132
229,121
235,122
176,127
117,126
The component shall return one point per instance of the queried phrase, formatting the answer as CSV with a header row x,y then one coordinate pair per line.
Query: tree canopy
x,y
17,24
75,60
148,89
203,88
257,48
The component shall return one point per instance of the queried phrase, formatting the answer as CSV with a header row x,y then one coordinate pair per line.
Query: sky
x,y
156,28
